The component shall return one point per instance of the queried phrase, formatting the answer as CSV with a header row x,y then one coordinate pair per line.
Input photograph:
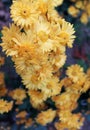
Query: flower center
x,y
64,38
25,13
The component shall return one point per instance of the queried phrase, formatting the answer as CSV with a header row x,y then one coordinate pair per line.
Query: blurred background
x,y
80,54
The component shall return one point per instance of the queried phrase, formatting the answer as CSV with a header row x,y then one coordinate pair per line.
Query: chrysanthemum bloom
x,y
76,73
18,94
24,13
73,11
5,106
46,117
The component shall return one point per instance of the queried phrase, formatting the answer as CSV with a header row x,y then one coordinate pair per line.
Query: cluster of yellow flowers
x,y
37,42
75,84
80,8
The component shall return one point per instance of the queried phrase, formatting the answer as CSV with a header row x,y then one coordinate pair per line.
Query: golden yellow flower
x,y
5,106
73,11
9,46
76,73
68,106
37,96
84,18
53,87
86,85
23,13
21,114
79,4
18,94
46,117
38,106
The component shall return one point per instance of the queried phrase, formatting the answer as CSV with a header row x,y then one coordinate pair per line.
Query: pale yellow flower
x,y
9,46
23,13
64,33
76,73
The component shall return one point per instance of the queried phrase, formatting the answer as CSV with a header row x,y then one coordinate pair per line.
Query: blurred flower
x,y
3,91
46,117
29,122
2,82
2,60
73,11
5,106
18,94
84,18
21,114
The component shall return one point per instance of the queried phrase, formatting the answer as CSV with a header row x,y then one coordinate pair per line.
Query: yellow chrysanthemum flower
x,y
37,96
84,18
46,117
64,33
18,94
75,72
24,13
73,11
5,106
9,46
